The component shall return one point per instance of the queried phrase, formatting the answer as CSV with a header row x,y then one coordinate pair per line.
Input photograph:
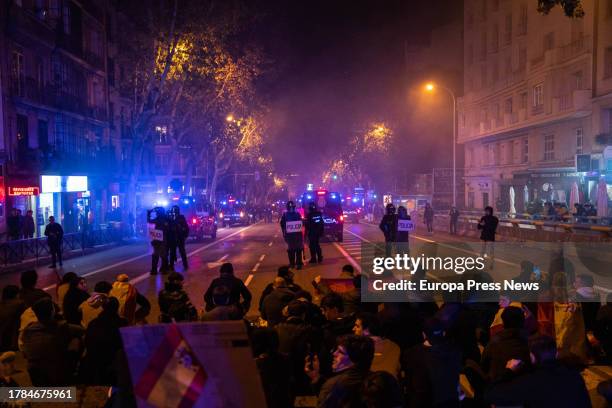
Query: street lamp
x,y
431,87
230,118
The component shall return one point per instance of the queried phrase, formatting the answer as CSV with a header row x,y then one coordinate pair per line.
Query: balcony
x,y
511,118
575,101
572,50
93,59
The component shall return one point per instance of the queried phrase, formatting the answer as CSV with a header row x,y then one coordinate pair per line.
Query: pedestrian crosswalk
x,y
356,249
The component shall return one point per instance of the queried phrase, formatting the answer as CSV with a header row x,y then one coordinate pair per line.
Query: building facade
x,y
56,148
538,92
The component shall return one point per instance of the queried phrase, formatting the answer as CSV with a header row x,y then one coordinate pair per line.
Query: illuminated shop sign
x,y
23,191
63,184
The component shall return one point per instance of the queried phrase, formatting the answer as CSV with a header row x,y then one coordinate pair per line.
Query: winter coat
x,y
174,304
274,303
72,301
54,233
506,345
10,312
388,226
488,229
92,307
343,389
315,226
236,289
548,385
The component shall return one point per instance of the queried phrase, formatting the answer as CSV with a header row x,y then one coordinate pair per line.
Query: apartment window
x,y
608,63
538,95
549,147
508,105
523,100
492,155
22,133
522,58
43,134
470,54
471,198
549,41
510,153
522,28
18,73
495,4
579,141
497,111
508,66
495,72
525,151
497,154
485,200
578,80
40,71
508,30
495,38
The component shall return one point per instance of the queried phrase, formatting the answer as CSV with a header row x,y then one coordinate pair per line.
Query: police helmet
x,y
390,208
290,206
176,210
402,210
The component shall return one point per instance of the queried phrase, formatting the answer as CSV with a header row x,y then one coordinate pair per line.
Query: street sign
x,y
405,225
293,227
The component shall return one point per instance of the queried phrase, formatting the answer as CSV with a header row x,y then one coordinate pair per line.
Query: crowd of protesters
x,y
323,342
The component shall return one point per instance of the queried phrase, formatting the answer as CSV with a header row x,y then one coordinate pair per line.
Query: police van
x,y
330,205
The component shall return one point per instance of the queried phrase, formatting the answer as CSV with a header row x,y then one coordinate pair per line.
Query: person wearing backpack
x,y
174,303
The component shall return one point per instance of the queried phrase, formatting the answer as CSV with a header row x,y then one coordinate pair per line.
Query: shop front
x,y
67,198
21,195
534,187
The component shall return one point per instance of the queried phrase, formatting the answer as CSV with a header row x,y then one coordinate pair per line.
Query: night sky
x,y
339,65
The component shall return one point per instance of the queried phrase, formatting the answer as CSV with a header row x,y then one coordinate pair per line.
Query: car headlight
x,y
241,214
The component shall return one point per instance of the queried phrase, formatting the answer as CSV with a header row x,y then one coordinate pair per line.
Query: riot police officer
x,y
179,231
314,231
291,226
403,235
388,226
159,239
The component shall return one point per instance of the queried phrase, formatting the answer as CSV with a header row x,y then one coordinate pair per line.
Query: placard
x,y
293,227
155,234
405,225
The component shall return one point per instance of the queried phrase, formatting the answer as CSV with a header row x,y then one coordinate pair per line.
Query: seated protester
x,y
92,307
174,303
347,272
235,287
351,366
603,328
351,294
76,295
588,299
274,368
29,293
133,306
298,339
7,368
432,369
314,315
381,390
11,309
386,352
63,286
505,300
285,273
102,343
549,384
275,302
50,347
508,344
222,310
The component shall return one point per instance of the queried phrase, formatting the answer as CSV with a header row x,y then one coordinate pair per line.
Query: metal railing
x,y
36,249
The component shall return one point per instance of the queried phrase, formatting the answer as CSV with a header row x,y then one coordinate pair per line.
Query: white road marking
x,y
248,280
255,267
48,288
261,258
351,260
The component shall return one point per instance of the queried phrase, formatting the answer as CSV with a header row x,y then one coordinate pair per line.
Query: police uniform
x,y
160,247
294,239
179,231
314,231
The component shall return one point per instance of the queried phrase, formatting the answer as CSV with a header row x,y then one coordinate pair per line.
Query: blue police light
x,y
354,200
309,197
374,195
224,202
333,196
186,201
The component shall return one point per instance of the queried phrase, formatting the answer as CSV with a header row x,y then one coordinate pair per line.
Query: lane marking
x,y
223,258
255,267
105,268
248,280
261,258
347,256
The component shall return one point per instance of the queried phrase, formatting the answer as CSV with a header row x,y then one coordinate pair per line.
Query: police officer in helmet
x,y
159,241
314,231
179,231
291,226
388,226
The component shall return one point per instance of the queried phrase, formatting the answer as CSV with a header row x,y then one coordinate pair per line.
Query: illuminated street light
x,y
230,118
430,87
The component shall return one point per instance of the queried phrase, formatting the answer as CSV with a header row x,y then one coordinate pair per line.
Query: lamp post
x,y
430,87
